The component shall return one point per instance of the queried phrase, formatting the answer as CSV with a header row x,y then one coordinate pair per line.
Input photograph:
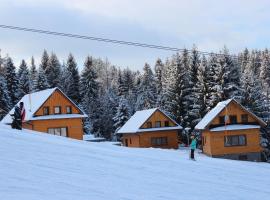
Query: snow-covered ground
x,y
36,166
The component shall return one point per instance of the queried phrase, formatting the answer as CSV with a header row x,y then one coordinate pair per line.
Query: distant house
x,y
150,128
231,131
51,111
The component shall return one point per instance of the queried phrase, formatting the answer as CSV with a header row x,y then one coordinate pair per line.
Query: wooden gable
x,y
57,99
235,109
158,116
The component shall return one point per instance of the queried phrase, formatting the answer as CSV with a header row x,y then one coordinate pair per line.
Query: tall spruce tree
x,y
73,91
33,75
24,79
89,90
45,63
12,81
53,71
5,101
147,90
159,67
42,82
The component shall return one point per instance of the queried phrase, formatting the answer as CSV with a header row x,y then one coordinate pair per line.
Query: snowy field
x,y
37,166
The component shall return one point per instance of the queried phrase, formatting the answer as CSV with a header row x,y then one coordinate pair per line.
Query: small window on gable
x,y
57,110
149,124
244,118
158,124
68,110
233,119
222,119
166,123
46,110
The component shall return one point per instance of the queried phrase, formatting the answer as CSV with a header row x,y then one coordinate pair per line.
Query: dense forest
x,y
186,86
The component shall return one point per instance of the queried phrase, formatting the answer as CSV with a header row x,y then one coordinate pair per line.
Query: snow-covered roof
x,y
139,118
234,127
60,116
32,102
212,114
208,118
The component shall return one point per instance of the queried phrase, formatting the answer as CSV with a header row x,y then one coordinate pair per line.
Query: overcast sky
x,y
210,24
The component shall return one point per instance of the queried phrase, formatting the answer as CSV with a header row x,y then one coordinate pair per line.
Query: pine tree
x,y
147,90
253,98
45,62
89,89
12,81
53,71
24,79
73,91
33,75
122,114
194,99
65,76
5,101
42,82
181,90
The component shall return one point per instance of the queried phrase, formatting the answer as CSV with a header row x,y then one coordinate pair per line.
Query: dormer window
x,y
68,110
149,124
57,110
166,124
46,110
222,119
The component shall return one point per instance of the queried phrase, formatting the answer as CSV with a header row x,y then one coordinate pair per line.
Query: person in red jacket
x,y
22,111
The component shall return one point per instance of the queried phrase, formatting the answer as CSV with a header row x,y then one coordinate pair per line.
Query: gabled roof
x,y
209,117
32,102
139,118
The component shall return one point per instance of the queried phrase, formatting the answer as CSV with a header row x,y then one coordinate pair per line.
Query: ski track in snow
x,y
41,166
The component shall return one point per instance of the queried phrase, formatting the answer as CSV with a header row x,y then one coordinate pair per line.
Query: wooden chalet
x,y
231,131
150,128
51,111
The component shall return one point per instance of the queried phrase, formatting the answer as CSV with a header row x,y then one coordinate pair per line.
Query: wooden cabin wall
x,y
234,109
158,116
57,99
131,139
74,126
216,144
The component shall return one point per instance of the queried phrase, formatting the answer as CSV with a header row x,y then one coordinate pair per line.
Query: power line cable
x,y
107,40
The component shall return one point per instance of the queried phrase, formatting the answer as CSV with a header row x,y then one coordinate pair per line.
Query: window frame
x,y
159,141
222,119
149,125
234,138
166,125
67,109
246,118
156,124
60,110
46,108
60,128
232,118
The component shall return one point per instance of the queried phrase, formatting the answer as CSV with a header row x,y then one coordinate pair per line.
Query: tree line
x,y
186,86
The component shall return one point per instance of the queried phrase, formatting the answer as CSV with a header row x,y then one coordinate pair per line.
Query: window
x,y
68,110
159,141
235,140
149,124
222,119
57,110
46,110
130,141
158,124
58,131
166,123
233,119
244,118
